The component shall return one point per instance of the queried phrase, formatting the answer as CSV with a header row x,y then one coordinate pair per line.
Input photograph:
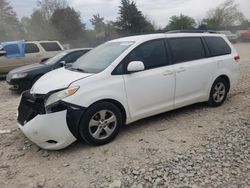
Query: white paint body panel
x,y
56,79
49,127
150,92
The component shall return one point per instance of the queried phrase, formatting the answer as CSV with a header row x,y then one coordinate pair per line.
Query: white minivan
x,y
125,80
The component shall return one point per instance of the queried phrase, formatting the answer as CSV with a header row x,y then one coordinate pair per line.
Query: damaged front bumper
x,y
54,128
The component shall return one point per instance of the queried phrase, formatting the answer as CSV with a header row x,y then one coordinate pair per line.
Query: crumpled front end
x,y
51,130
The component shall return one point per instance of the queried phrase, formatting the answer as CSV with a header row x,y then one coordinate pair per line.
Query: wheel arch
x,y
117,104
35,78
227,79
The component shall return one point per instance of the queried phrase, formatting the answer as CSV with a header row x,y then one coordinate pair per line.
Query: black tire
x,y
221,99
91,112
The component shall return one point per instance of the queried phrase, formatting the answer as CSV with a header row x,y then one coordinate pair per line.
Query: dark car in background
x,y
24,77
231,36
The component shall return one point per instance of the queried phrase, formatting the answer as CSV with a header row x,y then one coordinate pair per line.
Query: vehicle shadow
x,y
142,124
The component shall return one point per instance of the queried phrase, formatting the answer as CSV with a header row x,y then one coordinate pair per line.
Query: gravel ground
x,y
195,146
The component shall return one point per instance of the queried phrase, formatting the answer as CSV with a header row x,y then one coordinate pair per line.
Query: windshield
x,y
55,59
101,57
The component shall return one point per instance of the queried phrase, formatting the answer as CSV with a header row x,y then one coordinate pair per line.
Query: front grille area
x,y
30,107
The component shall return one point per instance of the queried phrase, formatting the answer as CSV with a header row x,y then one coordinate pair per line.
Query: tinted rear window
x,y
31,48
186,49
50,46
217,46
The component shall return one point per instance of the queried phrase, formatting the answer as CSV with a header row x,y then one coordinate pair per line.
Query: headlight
x,y
61,95
19,75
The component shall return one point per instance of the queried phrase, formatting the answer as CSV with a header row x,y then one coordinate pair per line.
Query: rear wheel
x,y
218,93
101,123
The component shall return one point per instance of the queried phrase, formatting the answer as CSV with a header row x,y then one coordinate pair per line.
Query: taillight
x,y
237,58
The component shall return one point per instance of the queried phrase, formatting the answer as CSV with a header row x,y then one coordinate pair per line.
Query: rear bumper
x,y
49,131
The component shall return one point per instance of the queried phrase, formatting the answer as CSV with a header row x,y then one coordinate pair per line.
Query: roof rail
x,y
191,31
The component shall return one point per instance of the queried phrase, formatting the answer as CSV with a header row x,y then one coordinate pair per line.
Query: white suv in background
x,y
28,52
125,80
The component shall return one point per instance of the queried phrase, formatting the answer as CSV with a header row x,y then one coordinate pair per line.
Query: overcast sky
x,y
158,11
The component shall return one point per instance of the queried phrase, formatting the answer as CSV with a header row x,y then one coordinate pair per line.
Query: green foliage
x,y
245,24
48,7
131,20
38,27
10,28
68,23
181,22
98,22
226,14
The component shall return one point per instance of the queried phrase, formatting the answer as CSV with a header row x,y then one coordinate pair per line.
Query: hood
x,y
28,68
56,80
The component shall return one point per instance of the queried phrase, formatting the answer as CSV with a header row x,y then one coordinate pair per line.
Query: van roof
x,y
138,38
77,49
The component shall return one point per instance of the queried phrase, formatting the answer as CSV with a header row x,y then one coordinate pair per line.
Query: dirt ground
x,y
140,145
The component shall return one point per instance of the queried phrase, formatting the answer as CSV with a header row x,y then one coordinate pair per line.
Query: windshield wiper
x,y
76,69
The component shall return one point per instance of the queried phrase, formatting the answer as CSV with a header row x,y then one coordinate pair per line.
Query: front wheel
x,y
218,93
101,123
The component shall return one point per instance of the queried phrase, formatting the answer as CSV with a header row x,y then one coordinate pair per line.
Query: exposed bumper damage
x,y
52,128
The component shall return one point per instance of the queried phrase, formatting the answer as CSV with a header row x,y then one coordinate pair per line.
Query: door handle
x,y
168,72
181,69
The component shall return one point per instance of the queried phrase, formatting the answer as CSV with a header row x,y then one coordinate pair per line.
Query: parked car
x,y
231,37
22,53
245,37
23,78
125,80
239,33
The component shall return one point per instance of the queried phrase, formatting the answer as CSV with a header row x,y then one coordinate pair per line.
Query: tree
x,y
10,27
226,14
38,27
68,23
181,22
98,22
131,20
48,7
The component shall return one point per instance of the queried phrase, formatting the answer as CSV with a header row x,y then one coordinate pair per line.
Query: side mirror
x,y
135,66
3,53
63,63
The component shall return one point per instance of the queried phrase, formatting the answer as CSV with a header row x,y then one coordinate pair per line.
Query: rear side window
x,y
31,48
50,46
217,46
72,57
152,54
186,49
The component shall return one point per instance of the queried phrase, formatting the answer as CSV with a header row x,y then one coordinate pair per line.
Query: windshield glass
x,y
101,57
55,59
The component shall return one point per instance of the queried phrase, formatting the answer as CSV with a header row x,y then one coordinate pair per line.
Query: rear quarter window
x,y
217,46
186,49
51,46
31,48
